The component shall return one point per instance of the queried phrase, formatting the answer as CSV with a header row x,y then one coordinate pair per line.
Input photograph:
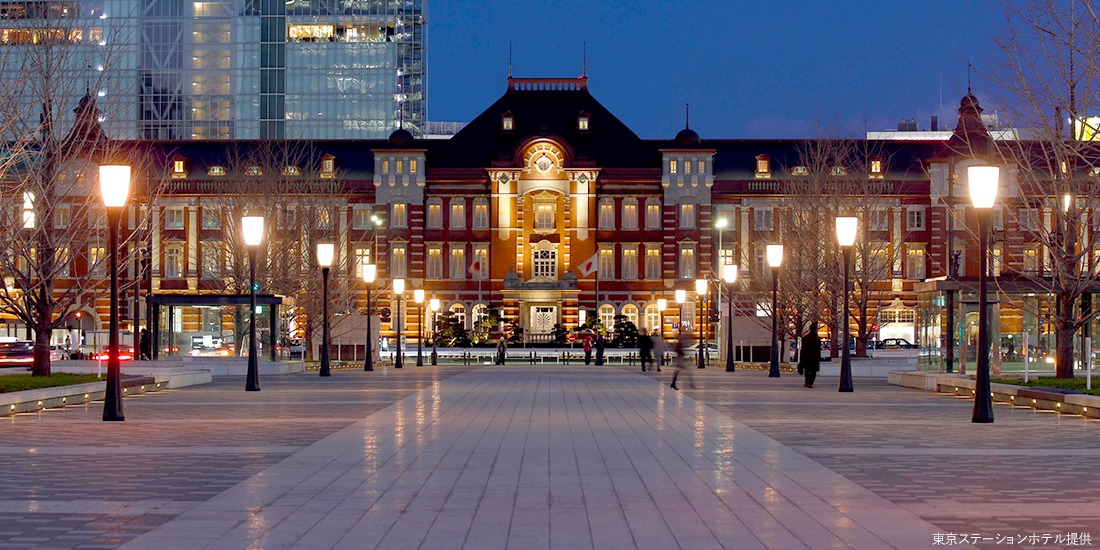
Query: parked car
x,y
16,354
711,349
895,343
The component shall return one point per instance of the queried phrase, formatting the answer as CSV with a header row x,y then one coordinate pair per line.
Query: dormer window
x,y
763,166
800,171
876,169
216,171
839,171
507,122
292,171
582,122
179,168
253,171
328,166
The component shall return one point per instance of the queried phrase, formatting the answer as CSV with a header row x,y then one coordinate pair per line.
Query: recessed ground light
x,y
64,399
1034,402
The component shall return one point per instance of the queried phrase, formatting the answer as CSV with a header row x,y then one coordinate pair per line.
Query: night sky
x,y
766,69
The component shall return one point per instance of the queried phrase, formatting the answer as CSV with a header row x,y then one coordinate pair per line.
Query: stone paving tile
x,y
69,480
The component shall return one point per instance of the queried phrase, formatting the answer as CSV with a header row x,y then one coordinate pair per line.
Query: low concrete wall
x,y
238,366
872,367
82,394
1019,396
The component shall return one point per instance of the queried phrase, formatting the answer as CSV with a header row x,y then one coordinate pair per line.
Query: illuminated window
x,y
211,217
458,262
653,262
582,123
397,261
400,166
97,264
328,166
173,218
763,166
292,171
385,166
458,213
876,168
544,216
481,259
481,214
607,214
687,166
630,262
545,263
652,213
687,215
435,262
839,171
459,312
296,32
606,263
211,259
412,166
507,122
179,169
398,213
672,166
702,167
607,315
1031,259
362,257
800,171
173,261
630,213
763,220
61,217
324,218
687,261
253,171
914,261
216,171
435,214
914,219
360,217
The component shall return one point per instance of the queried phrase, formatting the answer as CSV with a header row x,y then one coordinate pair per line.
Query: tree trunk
x,y
834,335
1064,332
41,353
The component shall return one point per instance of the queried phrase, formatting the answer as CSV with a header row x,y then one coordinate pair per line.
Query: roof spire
x,y
584,59
509,60
968,67
687,115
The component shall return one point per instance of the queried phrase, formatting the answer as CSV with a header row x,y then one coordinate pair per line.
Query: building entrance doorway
x,y
543,319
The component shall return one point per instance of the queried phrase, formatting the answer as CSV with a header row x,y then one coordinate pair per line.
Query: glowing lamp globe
x,y
418,295
253,229
399,286
114,184
325,253
434,304
729,273
775,255
662,304
700,286
370,271
983,181
681,296
846,227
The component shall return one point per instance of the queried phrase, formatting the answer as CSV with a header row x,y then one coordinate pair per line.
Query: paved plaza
x,y
546,457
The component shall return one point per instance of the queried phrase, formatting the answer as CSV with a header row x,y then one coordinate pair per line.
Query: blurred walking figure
x,y
658,348
587,350
645,348
599,349
809,359
681,345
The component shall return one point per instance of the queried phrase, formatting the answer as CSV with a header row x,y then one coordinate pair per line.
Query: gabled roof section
x,y
545,107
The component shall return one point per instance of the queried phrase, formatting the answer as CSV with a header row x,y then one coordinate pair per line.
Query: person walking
x,y
681,345
146,347
645,348
658,348
502,350
809,359
587,349
600,343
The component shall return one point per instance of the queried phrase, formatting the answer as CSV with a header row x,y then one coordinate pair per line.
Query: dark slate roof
x,y
353,158
545,112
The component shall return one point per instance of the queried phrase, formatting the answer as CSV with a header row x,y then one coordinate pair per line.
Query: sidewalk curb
x,y
1017,396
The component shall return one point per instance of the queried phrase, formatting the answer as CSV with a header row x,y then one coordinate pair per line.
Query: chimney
x,y
935,123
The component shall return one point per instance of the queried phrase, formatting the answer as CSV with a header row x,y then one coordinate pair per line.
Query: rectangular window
x,y
672,167
607,214
760,259
914,262
62,262
687,167
173,218
481,259
173,261
652,215
399,214
702,167
211,259
544,216
687,262
412,166
458,263
458,214
398,261
914,219
653,262
385,166
687,315
630,214
481,215
879,260
1029,219
879,219
211,217
725,257
435,262
1031,259
998,258
362,258
630,262
435,215
324,218
762,218
61,217
400,166
959,215
607,263
97,263
687,216
288,218
998,218
545,263
29,220
360,217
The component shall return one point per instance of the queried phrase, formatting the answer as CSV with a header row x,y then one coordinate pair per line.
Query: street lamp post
x,y
418,297
253,229
681,297
729,274
398,290
369,272
983,182
775,260
114,184
662,305
701,291
721,224
325,254
846,228
434,304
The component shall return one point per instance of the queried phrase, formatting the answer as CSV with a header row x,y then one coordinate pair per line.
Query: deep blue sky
x,y
749,69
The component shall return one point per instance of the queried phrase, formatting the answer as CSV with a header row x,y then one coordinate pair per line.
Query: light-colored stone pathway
x,y
544,457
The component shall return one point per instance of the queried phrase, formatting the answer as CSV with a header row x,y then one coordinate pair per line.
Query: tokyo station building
x,y
504,213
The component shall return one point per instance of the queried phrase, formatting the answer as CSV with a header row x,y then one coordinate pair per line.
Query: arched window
x,y
630,311
652,318
607,315
630,213
459,312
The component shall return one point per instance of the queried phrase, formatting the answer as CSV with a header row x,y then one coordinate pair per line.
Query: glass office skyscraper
x,y
247,69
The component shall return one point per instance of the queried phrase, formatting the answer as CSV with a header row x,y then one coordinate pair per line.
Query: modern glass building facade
x,y
248,69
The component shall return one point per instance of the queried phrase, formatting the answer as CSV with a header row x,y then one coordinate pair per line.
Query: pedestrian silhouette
x,y
681,345
809,359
